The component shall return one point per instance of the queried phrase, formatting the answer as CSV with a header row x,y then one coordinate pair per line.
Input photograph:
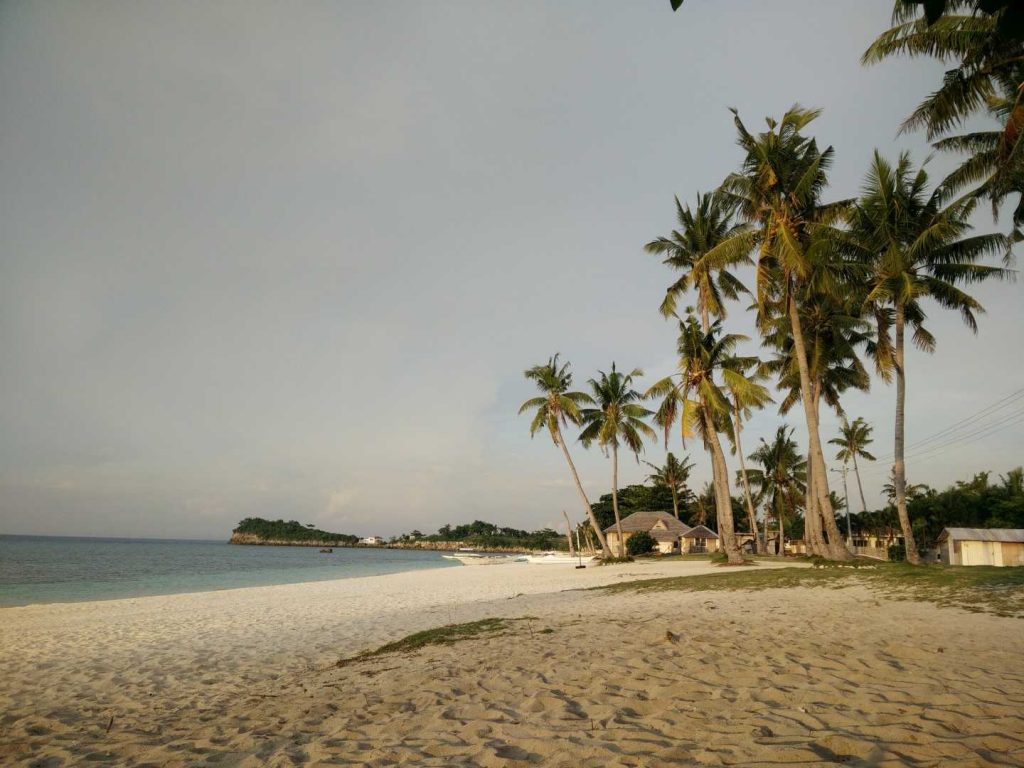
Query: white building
x,y
982,546
372,541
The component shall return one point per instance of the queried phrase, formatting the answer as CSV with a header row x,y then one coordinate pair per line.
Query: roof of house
x,y
646,521
700,532
1009,535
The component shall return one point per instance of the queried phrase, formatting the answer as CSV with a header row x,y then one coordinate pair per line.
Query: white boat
x,y
559,558
475,558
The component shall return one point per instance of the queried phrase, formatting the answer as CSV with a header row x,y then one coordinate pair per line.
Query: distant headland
x,y
478,534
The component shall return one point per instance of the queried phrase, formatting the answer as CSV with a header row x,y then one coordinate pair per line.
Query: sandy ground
x,y
246,677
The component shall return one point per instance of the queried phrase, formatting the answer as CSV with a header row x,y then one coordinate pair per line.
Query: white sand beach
x,y
248,676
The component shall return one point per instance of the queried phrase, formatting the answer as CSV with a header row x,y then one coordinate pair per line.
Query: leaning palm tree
x,y
916,247
673,475
616,418
708,243
555,409
694,398
854,438
779,190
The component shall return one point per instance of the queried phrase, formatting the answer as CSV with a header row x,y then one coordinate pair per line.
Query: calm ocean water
x,y
52,569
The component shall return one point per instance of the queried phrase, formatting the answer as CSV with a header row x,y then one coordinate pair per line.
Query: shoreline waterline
x,y
36,570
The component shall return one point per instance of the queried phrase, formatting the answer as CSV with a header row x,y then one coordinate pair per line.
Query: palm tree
x,y
834,330
695,398
779,189
617,418
707,244
915,248
854,437
782,478
556,408
913,490
705,501
989,77
672,475
744,401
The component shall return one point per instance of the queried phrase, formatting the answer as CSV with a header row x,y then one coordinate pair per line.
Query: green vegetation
x,y
616,418
979,589
446,635
974,503
839,284
292,530
483,535
640,544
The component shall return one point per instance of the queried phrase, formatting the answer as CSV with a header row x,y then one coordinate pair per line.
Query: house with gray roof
x,y
982,546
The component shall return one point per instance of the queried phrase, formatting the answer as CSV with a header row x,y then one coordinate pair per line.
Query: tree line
x,y
840,285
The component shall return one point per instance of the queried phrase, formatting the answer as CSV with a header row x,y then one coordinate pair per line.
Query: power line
x,y
970,421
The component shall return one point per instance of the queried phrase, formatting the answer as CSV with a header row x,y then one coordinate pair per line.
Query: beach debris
x,y
763,730
671,636
110,724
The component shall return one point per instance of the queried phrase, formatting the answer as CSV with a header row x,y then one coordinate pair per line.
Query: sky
x,y
291,260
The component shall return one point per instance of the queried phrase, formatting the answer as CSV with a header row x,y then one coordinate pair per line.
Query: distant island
x,y
256,530
478,534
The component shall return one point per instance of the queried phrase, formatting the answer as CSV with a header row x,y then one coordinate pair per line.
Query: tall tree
x,y
617,418
781,477
694,397
779,190
834,331
673,475
983,38
854,438
744,401
557,407
915,247
707,244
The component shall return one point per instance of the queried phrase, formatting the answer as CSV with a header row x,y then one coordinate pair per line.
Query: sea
x,y
62,569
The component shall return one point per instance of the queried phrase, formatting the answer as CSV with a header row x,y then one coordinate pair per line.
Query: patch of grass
x,y
981,589
615,560
446,635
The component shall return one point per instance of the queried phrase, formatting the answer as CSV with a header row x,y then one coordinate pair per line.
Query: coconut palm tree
x,y
983,38
694,398
915,247
616,418
708,243
854,437
705,501
782,476
744,402
779,190
673,475
557,407
834,331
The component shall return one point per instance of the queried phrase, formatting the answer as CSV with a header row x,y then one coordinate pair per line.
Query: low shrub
x,y
640,543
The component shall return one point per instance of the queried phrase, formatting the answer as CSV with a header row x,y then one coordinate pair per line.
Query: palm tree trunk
x,y
899,470
605,552
835,547
836,541
568,534
723,500
675,501
759,541
812,536
856,472
615,498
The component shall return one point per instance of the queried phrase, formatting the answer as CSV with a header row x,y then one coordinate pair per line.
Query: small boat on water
x,y
328,551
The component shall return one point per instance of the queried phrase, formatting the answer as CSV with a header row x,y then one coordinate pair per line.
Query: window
x,y
699,546
956,546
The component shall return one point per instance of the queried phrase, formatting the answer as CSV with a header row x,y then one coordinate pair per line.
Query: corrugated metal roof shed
x,y
1008,535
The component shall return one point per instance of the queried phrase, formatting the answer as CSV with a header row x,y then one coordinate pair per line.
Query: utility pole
x,y
846,503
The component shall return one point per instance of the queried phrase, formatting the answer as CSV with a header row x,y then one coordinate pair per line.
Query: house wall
x,y
665,547
613,541
1013,554
687,544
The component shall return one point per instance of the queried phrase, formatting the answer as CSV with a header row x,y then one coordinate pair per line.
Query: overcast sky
x,y
290,260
